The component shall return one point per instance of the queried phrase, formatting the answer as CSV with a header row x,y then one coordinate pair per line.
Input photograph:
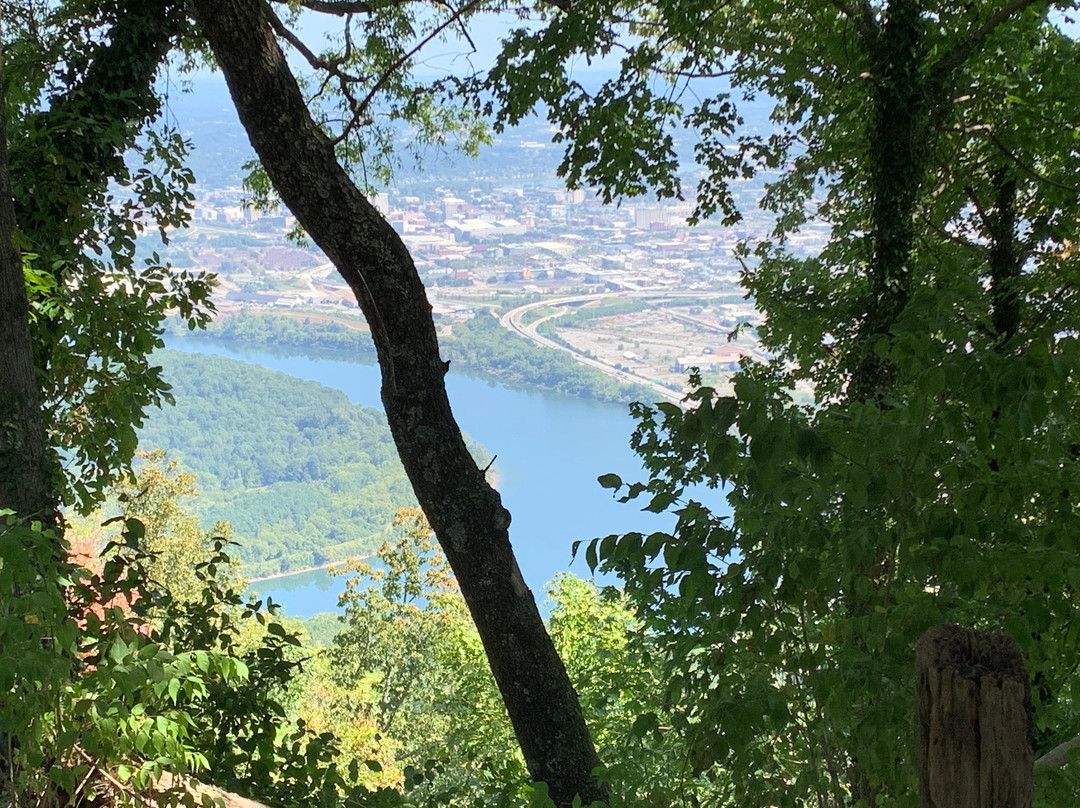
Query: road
x,y
512,320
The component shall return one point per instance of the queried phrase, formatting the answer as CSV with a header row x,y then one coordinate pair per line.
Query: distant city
x,y
502,231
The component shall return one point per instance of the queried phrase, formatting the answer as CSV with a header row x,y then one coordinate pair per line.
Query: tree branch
x,y
331,68
861,14
342,8
959,53
453,18
1057,756
315,61
973,197
339,8
1029,170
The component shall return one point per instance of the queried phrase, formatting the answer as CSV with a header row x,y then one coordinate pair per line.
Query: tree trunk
x,y
972,720
898,148
465,512
1006,259
25,467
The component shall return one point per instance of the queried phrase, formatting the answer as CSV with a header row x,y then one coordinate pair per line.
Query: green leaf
x,y
645,724
610,481
660,502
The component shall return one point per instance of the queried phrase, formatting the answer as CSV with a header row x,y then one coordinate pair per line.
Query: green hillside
x,y
305,476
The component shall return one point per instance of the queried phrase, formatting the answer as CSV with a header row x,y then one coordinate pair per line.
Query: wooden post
x,y
972,720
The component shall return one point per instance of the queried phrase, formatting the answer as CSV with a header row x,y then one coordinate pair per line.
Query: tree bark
x,y
973,720
1005,258
898,147
465,512
25,460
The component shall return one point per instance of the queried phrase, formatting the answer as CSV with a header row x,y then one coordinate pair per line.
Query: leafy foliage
x,y
409,662
394,617
365,92
933,477
407,683
105,682
38,640
172,537
90,173
147,662
853,531
614,665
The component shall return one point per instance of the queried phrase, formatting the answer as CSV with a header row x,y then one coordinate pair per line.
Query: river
x,y
549,449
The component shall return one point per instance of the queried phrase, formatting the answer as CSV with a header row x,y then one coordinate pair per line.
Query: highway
x,y
512,320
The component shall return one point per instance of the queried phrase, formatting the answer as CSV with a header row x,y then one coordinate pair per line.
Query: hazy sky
x,y
458,56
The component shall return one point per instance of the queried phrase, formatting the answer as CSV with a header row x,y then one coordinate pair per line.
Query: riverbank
x,y
278,575
550,449
480,344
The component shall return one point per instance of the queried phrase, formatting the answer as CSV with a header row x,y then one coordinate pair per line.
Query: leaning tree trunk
x,y
465,512
25,471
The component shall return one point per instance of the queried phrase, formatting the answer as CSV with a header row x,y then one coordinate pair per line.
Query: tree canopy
x,y
932,477
92,167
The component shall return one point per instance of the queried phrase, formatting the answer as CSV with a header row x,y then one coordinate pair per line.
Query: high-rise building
x,y
646,217
451,206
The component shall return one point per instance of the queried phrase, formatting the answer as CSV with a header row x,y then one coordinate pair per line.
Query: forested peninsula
x,y
304,476
480,345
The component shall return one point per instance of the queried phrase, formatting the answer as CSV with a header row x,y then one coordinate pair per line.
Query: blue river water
x,y
549,449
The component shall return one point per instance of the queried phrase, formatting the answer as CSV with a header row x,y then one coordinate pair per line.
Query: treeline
x,y
305,476
482,344
290,332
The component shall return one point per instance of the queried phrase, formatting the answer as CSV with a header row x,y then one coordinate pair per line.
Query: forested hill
x,y
304,475
482,344
281,331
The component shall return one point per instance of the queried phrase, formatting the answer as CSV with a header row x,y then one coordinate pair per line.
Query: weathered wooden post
x,y
972,720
